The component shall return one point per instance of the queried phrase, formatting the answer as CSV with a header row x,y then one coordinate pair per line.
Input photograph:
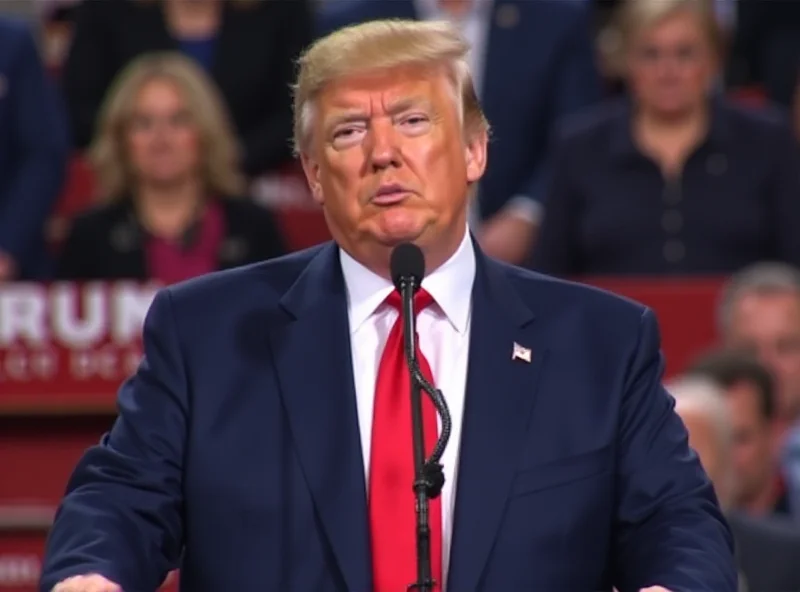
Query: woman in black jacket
x,y
165,159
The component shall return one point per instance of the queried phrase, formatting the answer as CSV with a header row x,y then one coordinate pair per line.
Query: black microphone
x,y
407,266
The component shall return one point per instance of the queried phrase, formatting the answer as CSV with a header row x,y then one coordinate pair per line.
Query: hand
x,y
8,267
507,237
87,583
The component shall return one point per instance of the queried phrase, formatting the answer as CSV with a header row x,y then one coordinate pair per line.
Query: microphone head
x,y
407,263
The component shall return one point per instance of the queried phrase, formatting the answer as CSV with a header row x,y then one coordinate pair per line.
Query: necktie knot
x,y
422,300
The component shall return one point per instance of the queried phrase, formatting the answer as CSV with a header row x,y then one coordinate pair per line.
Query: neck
x,y
670,138
378,260
167,212
689,124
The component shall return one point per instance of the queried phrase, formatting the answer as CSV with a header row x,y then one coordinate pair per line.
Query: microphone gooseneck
x,y
407,270
407,265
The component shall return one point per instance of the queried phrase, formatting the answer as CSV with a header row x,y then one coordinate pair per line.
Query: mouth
x,y
388,195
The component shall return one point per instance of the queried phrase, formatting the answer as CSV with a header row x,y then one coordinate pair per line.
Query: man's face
x,y
769,326
389,163
753,441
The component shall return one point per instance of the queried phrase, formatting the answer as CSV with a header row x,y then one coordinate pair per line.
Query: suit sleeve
x,y
576,85
39,133
669,528
121,516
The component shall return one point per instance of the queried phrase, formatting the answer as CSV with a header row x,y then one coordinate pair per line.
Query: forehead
x,y
680,26
381,92
755,303
159,90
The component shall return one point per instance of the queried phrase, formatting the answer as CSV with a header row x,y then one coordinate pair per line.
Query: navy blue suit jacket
x,y
237,452
33,149
537,70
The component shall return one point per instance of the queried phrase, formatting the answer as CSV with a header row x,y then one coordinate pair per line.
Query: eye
x,y
415,119
415,123
347,135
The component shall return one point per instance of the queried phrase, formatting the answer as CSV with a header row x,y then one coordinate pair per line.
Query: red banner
x,y
67,347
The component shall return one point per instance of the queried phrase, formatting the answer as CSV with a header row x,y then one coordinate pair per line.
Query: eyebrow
x,y
399,106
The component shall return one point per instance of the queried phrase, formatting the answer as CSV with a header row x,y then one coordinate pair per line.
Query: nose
x,y
382,146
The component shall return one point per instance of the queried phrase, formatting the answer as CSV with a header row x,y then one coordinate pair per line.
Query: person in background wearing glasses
x,y
674,179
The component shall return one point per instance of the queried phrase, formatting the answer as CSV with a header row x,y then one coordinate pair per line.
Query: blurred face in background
x,y
389,163
769,326
671,65
753,442
163,142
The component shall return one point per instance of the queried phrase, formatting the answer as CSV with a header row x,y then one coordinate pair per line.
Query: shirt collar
x,y
448,286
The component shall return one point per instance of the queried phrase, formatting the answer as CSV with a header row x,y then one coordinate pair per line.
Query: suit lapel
x,y
500,396
311,349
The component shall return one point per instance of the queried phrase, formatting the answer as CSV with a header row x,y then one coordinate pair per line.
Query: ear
x,y
475,155
312,170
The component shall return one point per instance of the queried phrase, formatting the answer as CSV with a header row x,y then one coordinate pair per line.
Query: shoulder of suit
x,y
15,31
593,123
99,215
264,281
746,122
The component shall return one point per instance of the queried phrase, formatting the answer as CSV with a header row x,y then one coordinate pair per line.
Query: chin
x,y
395,229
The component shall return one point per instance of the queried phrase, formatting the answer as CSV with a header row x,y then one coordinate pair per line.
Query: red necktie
x,y
391,470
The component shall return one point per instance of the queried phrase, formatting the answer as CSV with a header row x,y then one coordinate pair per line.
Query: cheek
x,y
136,146
188,142
698,78
341,183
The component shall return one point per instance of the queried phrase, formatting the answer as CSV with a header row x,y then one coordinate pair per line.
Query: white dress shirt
x,y
443,331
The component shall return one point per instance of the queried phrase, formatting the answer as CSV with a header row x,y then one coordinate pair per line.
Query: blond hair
x,y
220,150
383,45
638,15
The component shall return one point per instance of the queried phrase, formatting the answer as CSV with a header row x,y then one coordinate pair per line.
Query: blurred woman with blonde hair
x,y
675,179
248,47
167,166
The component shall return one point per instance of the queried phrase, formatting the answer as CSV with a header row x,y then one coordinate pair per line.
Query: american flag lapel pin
x,y
521,353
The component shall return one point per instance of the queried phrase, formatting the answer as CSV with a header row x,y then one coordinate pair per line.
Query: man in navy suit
x,y
533,64
33,153
252,449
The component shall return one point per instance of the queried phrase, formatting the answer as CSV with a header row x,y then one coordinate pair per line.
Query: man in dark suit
x,y
766,549
33,153
265,442
533,64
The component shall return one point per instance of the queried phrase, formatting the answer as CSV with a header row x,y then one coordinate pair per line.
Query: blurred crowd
x,y
653,138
